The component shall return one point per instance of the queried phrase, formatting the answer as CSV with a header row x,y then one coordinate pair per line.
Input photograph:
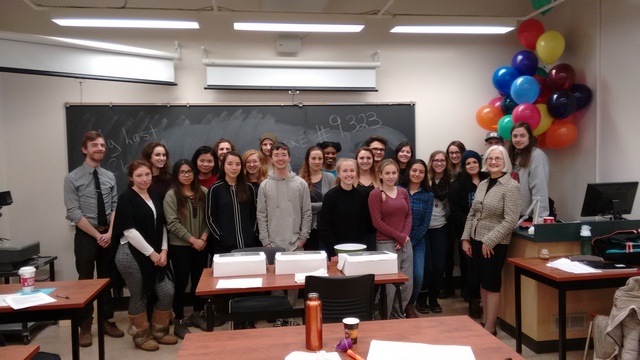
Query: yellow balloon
x,y
550,46
545,120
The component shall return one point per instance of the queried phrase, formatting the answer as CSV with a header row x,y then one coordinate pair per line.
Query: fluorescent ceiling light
x,y
451,29
127,23
300,27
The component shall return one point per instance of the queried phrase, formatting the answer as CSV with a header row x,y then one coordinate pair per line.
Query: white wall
x,y
448,77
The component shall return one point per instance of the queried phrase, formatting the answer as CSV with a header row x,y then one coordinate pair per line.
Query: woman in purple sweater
x,y
391,215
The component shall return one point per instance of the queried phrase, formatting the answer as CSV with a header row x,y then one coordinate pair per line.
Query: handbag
x,y
620,246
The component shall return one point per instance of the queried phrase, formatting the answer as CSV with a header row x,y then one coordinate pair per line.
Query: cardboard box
x,y
239,263
300,262
368,262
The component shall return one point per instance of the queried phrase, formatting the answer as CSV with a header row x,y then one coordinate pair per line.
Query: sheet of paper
x,y
239,283
299,277
383,350
320,355
25,301
574,267
3,302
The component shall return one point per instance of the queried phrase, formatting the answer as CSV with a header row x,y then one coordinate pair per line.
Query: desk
x,y
80,293
562,281
18,352
271,281
277,343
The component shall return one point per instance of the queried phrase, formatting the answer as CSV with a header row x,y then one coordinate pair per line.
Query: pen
x,y
62,296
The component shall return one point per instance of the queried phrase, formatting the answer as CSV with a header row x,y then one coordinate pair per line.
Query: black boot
x,y
434,307
475,310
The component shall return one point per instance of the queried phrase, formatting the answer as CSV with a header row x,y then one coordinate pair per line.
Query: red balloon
x,y
561,134
541,141
561,77
529,32
528,113
496,101
545,92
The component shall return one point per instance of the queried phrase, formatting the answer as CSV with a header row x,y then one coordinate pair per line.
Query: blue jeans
x,y
418,268
434,258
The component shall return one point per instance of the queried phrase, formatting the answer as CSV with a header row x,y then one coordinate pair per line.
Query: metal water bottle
x,y
585,240
313,322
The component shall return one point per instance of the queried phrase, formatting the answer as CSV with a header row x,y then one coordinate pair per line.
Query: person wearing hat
x,y
266,142
330,150
461,195
493,138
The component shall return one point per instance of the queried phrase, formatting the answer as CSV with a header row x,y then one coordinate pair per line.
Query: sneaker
x,y
434,307
280,323
111,329
292,322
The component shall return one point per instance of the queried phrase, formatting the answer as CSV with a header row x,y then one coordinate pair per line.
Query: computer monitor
x,y
614,199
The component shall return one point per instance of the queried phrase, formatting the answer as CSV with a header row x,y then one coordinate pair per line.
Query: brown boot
x,y
86,338
410,312
160,327
111,329
139,329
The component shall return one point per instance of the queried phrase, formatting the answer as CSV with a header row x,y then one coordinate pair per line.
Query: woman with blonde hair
x,y
255,170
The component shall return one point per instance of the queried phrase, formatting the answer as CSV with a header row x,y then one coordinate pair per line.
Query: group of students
x,y
169,222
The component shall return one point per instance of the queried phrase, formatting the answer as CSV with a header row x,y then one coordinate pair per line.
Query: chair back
x,y
343,296
270,252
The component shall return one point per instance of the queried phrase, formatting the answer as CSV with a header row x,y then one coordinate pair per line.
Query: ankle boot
x,y
180,328
86,338
410,312
160,327
139,330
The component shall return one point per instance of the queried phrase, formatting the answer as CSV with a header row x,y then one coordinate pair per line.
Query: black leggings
x,y
187,263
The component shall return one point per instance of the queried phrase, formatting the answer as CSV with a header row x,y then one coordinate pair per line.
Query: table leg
x,y
383,302
52,271
101,320
562,323
209,314
517,285
75,337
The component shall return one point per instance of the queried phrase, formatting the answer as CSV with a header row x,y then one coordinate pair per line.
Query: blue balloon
x,y
525,62
503,77
561,104
525,90
583,95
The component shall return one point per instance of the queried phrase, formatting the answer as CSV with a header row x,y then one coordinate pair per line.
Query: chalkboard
x,y
183,128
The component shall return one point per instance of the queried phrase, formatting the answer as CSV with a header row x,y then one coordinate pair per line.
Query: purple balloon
x,y
561,104
525,62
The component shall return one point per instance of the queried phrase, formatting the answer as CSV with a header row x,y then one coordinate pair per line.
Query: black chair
x,y
260,307
343,296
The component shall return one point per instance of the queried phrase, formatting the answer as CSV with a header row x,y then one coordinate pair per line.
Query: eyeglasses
x,y
377,149
496,159
451,153
439,161
185,173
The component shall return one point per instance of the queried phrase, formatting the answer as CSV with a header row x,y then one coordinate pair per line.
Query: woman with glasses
x,y
487,232
531,169
437,235
254,170
188,233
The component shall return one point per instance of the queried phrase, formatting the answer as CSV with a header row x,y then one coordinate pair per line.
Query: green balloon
x,y
505,124
537,4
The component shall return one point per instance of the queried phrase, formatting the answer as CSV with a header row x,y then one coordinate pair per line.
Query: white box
x,y
300,262
239,263
368,262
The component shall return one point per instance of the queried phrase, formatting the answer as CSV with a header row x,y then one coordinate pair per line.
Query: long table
x,y
277,343
75,295
18,352
207,287
562,281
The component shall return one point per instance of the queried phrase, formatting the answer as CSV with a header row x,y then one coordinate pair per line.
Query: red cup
x,y
548,220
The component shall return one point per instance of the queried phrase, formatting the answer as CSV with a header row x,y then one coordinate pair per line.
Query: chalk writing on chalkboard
x,y
127,128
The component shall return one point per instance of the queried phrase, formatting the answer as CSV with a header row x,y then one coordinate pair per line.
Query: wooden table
x,y
277,343
271,281
79,293
562,281
18,352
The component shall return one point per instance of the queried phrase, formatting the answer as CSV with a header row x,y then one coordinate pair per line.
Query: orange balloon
x,y
542,141
488,116
561,134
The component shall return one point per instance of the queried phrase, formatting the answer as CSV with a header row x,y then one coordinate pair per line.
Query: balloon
x,y
495,101
561,134
541,141
550,46
487,117
561,104
583,95
538,4
529,32
545,92
561,77
525,62
545,120
528,113
507,105
504,127
542,72
525,89
503,77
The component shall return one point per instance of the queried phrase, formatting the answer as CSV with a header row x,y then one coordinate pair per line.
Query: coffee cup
x,y
351,328
548,220
27,278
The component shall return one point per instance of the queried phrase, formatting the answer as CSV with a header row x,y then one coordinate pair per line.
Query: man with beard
x,y
90,196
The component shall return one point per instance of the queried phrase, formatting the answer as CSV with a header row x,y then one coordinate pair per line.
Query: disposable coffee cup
x,y
548,220
27,278
351,328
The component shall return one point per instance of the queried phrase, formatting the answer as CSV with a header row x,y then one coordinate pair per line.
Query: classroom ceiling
x,y
514,8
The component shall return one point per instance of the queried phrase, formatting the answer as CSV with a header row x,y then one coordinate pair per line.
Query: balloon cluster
x,y
547,100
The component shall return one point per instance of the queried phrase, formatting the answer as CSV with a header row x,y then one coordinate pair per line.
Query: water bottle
x,y
585,240
313,322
